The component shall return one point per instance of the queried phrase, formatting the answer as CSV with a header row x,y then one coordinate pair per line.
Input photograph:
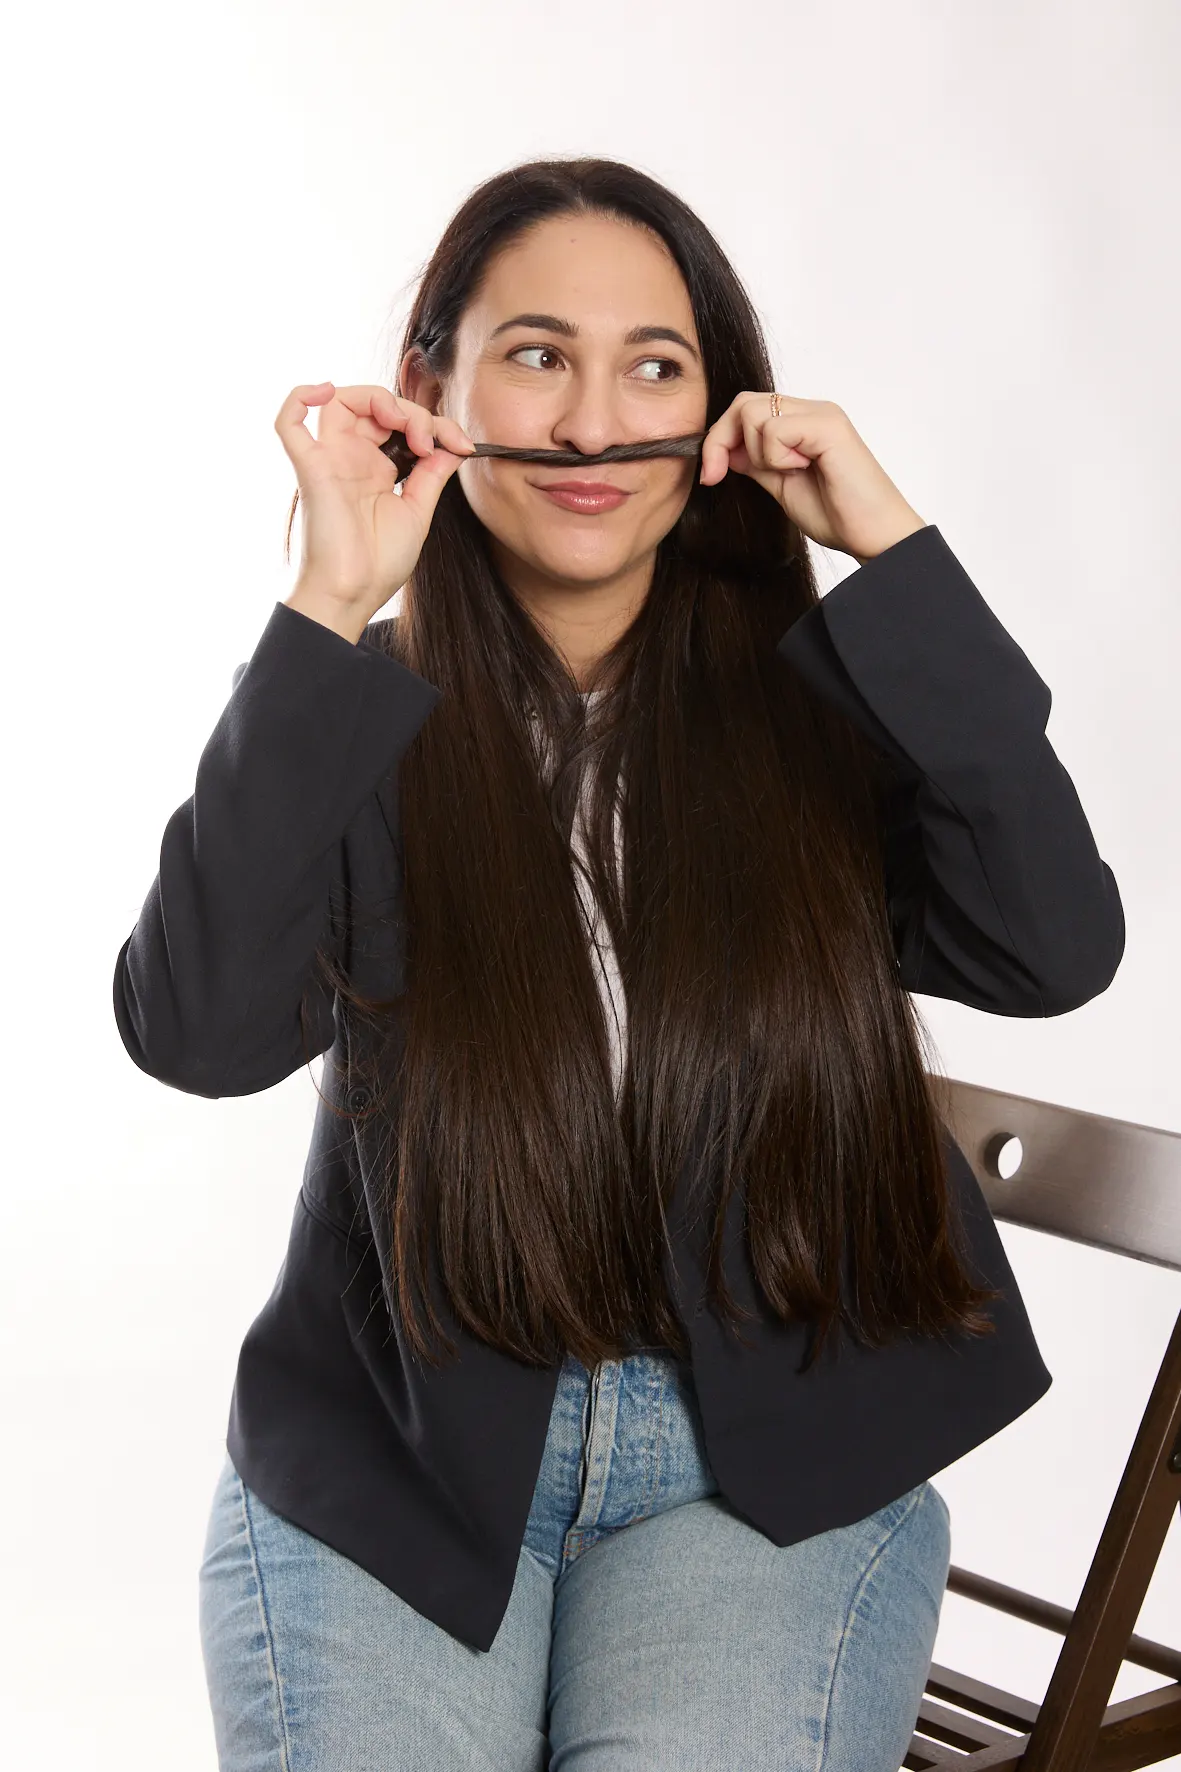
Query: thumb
x,y
426,480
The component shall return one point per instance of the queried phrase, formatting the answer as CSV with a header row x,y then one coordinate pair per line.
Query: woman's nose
x,y
591,419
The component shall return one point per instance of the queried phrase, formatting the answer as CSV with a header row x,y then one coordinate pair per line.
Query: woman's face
x,y
571,377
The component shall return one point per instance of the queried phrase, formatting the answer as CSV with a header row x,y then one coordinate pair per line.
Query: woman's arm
x,y
998,895
208,985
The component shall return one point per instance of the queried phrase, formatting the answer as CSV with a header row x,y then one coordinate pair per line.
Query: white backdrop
x,y
957,221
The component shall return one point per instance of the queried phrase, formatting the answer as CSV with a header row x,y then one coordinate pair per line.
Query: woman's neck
x,y
581,621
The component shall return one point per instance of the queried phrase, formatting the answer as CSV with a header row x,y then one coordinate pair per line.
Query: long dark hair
x,y
750,923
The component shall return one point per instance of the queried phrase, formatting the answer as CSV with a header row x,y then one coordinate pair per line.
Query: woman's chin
x,y
588,564
568,560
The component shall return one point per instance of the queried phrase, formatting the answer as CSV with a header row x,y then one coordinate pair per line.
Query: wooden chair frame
x,y
1116,1185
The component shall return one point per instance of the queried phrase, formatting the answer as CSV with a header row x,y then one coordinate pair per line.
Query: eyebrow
x,y
639,335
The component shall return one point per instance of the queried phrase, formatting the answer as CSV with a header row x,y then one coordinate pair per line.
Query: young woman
x,y
636,1287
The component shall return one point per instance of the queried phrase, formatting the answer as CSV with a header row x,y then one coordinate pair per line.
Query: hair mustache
x,y
688,445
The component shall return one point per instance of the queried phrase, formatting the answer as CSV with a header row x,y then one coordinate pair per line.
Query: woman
x,y
545,1451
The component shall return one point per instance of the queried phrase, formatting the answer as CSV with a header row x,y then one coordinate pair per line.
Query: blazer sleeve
x,y
208,985
998,897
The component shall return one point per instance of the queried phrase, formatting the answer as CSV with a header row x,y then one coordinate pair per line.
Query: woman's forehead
x,y
601,274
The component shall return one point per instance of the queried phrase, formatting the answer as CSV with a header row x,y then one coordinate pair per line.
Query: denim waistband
x,y
624,1441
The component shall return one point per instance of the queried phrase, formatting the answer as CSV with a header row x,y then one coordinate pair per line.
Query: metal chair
x,y
1115,1185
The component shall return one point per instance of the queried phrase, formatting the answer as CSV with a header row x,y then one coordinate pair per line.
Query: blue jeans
x,y
649,1628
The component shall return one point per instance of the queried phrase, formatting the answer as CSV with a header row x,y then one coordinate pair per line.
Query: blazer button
x,y
358,1098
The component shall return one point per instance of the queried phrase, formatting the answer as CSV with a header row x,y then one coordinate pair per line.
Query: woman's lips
x,y
585,496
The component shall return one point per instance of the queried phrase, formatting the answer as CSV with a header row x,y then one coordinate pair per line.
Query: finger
x,y
801,426
293,433
715,460
452,435
805,428
426,428
357,401
375,412
770,441
723,435
423,427
393,413
751,422
779,454
426,480
419,425
378,411
727,429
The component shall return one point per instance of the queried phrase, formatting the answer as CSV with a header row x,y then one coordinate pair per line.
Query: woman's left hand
x,y
812,460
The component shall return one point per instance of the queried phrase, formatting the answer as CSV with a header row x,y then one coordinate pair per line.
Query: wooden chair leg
x,y
1125,1559
1075,1726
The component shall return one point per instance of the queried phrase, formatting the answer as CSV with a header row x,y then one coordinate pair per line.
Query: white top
x,y
602,950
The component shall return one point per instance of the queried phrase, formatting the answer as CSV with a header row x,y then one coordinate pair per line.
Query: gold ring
x,y
774,405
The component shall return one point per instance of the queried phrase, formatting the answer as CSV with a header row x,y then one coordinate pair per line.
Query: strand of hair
x,y
687,445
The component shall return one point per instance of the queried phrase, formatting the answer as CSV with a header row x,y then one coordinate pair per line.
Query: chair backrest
x,y
1112,1183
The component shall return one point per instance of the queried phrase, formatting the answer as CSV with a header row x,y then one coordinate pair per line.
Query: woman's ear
x,y
416,382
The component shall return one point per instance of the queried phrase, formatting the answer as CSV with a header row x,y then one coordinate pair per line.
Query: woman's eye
x,y
544,350
668,363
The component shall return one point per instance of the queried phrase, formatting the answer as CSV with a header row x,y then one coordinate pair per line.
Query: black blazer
x,y
998,899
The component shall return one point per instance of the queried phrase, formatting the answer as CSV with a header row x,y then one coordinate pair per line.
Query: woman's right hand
x,y
360,538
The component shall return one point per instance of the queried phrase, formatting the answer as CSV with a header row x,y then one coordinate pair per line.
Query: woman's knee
x,y
884,1652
